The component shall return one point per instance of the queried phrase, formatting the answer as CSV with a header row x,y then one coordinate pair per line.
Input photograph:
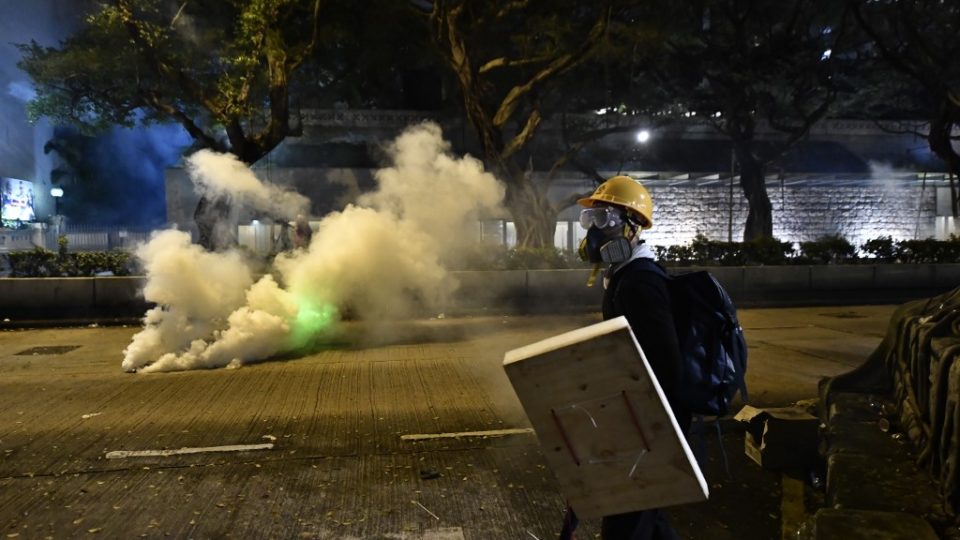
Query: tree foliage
x,y
221,69
913,48
741,65
507,58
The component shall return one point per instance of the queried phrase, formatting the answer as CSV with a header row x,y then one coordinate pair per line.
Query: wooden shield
x,y
603,421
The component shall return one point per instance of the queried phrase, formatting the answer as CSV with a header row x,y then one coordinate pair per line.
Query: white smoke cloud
x,y
21,91
223,175
884,176
195,291
380,258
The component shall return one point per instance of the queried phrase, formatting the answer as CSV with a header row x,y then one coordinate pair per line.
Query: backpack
x,y
712,345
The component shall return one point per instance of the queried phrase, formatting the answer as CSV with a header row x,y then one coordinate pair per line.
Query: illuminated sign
x,y
16,200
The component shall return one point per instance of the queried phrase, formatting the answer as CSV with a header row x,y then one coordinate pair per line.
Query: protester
x,y
302,233
615,215
282,242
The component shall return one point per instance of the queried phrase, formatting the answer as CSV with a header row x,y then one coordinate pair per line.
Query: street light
x,y
56,193
643,136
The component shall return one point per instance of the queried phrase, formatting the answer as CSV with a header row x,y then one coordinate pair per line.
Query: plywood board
x,y
603,421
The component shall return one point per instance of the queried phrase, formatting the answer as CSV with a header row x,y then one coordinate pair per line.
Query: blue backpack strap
x,y
650,265
642,263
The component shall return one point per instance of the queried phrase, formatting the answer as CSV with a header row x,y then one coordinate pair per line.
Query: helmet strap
x,y
631,230
593,275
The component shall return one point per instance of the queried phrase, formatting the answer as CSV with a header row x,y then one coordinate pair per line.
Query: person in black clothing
x,y
302,233
614,216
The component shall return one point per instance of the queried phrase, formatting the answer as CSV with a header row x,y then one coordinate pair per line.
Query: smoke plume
x,y
380,258
224,176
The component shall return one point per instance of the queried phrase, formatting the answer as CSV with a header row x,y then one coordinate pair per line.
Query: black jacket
x,y
639,293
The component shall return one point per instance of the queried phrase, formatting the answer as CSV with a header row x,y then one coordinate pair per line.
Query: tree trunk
x,y
753,182
533,216
941,144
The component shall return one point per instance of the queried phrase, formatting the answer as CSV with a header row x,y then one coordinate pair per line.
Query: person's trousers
x,y
643,525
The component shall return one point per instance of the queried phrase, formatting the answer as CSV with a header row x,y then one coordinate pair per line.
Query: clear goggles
x,y
601,217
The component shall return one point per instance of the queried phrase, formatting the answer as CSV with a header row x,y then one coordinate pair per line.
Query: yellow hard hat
x,y
626,192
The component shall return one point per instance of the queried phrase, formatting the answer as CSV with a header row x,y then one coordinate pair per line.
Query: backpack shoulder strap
x,y
642,264
648,265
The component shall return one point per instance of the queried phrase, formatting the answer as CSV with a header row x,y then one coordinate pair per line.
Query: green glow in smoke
x,y
311,321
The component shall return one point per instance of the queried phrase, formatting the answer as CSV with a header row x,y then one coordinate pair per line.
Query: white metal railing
x,y
79,237
19,240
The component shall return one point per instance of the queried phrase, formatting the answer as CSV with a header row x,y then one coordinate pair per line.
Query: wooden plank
x,y
603,421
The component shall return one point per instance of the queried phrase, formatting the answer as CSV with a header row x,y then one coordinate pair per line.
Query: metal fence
x,y
79,237
261,238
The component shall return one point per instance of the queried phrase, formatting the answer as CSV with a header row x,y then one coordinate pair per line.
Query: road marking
x,y
449,533
120,454
436,517
791,507
463,434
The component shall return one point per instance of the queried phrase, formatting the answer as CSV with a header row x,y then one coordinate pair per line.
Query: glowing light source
x,y
56,192
311,321
643,136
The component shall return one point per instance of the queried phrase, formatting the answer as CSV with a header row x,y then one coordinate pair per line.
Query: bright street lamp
x,y
643,136
56,192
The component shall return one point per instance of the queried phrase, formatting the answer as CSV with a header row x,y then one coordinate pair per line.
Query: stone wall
x,y
799,214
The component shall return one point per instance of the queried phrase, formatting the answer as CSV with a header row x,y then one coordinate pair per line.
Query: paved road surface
x,y
340,466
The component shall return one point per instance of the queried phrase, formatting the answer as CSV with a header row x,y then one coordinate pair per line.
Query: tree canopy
x,y
234,74
509,60
221,69
739,65
909,64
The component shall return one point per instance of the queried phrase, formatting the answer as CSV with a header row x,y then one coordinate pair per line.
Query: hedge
x,y
699,252
40,262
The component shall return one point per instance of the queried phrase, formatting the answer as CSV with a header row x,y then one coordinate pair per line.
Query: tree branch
x,y
160,68
556,67
297,58
520,139
183,119
504,62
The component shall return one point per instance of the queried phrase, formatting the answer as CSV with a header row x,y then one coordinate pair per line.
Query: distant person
x,y
282,241
615,215
302,233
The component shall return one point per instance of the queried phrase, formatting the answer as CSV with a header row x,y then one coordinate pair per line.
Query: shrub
x,y
883,248
479,256
766,250
679,255
705,252
40,262
928,251
37,262
830,249
522,258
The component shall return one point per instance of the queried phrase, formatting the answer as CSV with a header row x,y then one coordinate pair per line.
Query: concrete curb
x,y
528,291
874,488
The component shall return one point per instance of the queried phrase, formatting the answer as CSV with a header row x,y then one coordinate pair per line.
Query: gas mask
x,y
606,240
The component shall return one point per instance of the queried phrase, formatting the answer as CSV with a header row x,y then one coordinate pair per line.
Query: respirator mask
x,y
606,240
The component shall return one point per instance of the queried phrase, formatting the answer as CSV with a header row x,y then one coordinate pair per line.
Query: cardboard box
x,y
780,438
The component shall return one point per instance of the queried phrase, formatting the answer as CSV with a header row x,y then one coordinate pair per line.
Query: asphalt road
x,y
338,421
